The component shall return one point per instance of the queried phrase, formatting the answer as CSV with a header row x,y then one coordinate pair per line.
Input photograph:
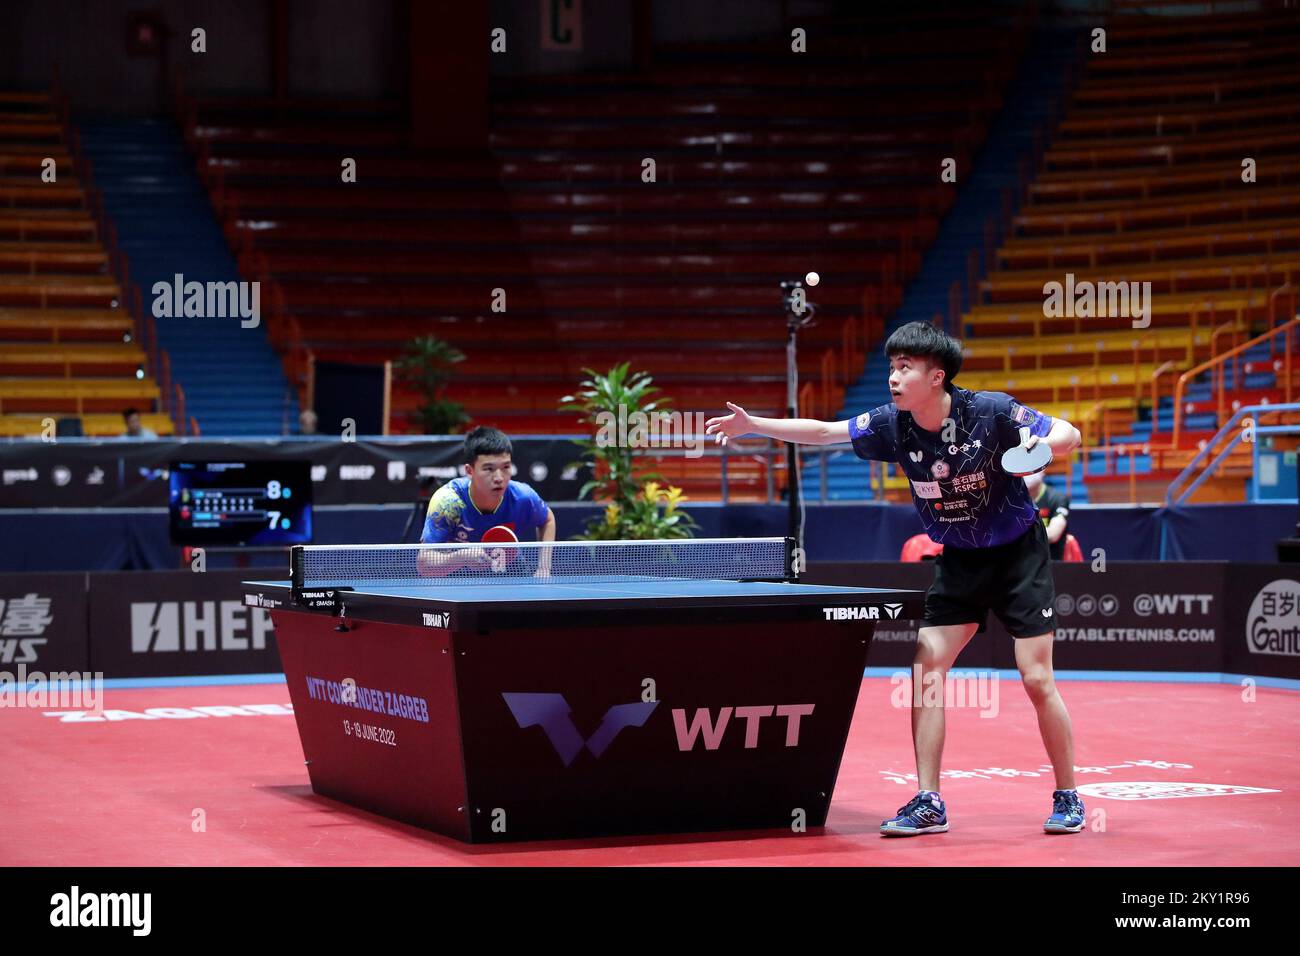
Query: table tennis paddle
x,y
501,534
1021,461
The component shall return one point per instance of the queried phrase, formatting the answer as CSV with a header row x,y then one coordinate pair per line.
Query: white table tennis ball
x,y
812,278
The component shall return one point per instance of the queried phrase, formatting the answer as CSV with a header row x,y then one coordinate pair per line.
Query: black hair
x,y
128,412
485,440
923,340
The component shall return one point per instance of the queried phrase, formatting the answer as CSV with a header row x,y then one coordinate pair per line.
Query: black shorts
x,y
1013,580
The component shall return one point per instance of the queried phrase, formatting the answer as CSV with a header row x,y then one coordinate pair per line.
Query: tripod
x,y
799,314
419,508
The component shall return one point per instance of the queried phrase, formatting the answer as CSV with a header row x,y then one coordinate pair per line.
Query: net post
x,y
295,568
790,572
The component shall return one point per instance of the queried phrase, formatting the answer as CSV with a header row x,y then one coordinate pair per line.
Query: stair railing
x,y
1218,362
1173,496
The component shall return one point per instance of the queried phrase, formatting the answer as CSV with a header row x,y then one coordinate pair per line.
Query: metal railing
x,y
1173,498
1218,363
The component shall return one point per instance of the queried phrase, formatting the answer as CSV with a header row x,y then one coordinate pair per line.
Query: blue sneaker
x,y
1067,812
924,813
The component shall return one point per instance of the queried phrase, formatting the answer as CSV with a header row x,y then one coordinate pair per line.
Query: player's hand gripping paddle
x,y
1022,461
500,557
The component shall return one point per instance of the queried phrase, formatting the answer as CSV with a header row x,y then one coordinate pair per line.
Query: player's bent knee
x,y
937,647
1038,682
931,653
932,661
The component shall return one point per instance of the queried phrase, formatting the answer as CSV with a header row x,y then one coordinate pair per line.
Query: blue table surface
x,y
551,590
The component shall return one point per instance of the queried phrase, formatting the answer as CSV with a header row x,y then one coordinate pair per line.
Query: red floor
x,y
126,792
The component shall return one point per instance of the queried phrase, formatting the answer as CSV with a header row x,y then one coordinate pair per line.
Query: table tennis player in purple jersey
x,y
949,442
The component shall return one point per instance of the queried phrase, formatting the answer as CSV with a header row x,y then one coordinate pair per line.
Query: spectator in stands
x,y
307,422
134,429
1053,509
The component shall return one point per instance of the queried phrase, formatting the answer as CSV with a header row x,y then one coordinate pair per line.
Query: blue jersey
x,y
964,497
452,516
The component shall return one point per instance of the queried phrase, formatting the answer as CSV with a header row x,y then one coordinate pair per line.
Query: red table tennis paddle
x,y
501,534
1022,462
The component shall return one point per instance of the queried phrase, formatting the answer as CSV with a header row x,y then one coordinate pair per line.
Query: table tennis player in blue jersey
x,y
949,442
483,498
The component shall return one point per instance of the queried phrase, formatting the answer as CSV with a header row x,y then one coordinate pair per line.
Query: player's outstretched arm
x,y
804,431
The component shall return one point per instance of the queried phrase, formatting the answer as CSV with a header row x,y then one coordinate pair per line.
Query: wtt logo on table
x,y
552,713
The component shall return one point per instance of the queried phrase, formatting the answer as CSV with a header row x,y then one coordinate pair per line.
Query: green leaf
x,y
623,471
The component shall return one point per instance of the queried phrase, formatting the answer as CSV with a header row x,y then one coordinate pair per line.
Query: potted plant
x,y
426,365
637,506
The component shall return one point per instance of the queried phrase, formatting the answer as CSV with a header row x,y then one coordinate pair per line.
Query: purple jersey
x,y
964,497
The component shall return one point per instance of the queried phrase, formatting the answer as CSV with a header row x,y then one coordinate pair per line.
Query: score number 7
x,y
273,492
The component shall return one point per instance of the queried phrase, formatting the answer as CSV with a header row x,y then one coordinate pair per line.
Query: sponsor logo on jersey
x,y
926,489
972,482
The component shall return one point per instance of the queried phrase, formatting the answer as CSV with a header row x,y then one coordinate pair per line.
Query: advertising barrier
x,y
169,623
43,624
133,474
1207,617
1195,616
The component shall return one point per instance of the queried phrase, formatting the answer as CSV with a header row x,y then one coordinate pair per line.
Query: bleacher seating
x,y
678,276
1142,182
68,345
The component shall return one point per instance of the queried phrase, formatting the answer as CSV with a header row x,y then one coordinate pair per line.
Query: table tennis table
x,y
630,688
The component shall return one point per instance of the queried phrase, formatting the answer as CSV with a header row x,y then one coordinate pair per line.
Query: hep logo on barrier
x,y
552,713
